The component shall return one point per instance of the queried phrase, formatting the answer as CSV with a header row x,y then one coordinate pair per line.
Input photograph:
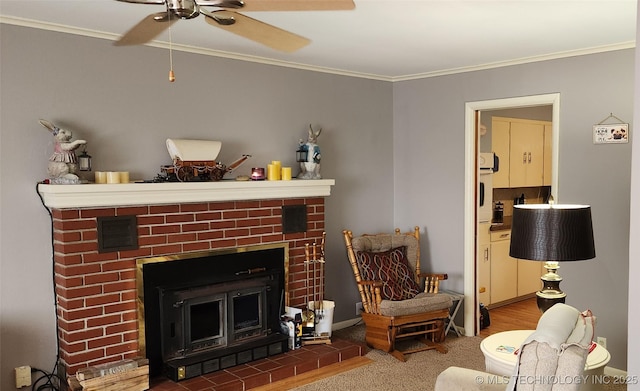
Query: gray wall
x,y
396,151
120,101
633,364
429,169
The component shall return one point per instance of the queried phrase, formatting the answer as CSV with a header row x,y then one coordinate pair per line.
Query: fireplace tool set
x,y
314,313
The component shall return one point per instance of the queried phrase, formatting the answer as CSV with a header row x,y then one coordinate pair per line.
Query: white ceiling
x,y
380,39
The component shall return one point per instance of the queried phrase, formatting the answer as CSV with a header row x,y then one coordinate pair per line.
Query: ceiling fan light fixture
x,y
183,9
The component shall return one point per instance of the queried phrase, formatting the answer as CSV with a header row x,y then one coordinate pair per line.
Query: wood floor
x,y
522,315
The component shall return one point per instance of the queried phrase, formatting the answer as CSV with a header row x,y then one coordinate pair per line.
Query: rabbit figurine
x,y
310,169
63,163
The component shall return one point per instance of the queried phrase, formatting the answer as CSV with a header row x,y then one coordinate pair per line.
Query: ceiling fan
x,y
224,14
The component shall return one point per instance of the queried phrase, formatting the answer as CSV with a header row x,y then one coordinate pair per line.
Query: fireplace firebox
x,y
203,312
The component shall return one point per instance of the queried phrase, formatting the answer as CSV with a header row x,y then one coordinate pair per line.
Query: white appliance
x,y
486,164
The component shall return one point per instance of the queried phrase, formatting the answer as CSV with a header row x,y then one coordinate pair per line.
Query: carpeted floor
x,y
418,373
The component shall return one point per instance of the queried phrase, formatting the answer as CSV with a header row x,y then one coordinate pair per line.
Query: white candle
x,y
101,177
124,176
113,177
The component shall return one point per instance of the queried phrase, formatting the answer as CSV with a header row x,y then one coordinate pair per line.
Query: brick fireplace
x,y
96,291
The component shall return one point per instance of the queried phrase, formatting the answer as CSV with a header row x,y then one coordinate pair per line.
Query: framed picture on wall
x,y
611,134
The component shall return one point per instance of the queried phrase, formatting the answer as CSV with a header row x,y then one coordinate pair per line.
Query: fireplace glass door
x,y
204,323
248,313
199,319
193,320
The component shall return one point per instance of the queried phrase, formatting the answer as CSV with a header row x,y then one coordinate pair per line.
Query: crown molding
x,y
267,61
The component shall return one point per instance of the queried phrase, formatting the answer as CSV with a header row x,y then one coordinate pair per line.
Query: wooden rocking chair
x,y
399,307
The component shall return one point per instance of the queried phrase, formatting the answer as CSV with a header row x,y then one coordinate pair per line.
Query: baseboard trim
x,y
615,372
346,323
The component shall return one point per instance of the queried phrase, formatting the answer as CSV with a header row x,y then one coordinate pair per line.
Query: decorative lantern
x,y
302,153
84,161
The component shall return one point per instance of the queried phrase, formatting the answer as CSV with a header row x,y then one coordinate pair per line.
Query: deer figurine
x,y
310,168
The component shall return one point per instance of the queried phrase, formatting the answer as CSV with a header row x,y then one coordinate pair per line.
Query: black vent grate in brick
x,y
117,233
294,219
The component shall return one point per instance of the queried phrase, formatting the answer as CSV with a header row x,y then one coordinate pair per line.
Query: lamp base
x,y
544,303
550,293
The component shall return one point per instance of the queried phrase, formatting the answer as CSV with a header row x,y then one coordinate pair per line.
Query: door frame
x,y
471,318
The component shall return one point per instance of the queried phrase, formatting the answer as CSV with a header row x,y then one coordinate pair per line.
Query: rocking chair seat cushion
x,y
421,303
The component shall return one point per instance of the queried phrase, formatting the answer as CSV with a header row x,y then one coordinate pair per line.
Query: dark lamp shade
x,y
552,233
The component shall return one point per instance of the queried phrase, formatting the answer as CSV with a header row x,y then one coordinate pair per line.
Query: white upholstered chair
x,y
557,350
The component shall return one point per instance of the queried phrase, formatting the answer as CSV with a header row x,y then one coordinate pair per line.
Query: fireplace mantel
x,y
123,194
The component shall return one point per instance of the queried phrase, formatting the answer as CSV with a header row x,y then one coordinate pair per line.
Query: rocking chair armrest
x,y
371,296
442,276
432,281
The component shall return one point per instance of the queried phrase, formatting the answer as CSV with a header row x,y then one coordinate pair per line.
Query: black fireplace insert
x,y
209,311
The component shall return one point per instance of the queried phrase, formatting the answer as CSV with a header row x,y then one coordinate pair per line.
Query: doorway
x,y
472,112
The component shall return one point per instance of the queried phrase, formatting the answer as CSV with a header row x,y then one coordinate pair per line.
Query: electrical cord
x,y
49,383
52,376
357,323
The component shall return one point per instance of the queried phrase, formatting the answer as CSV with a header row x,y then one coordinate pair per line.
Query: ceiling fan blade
x,y
298,5
146,30
228,4
256,30
143,1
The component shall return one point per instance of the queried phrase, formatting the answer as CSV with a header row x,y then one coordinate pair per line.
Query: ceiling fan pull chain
x,y
172,76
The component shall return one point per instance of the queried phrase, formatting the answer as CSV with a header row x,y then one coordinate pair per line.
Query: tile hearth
x,y
268,370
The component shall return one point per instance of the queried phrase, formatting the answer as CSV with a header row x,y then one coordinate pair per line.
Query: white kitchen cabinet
x,y
520,147
500,146
504,269
484,263
510,278
529,273
526,160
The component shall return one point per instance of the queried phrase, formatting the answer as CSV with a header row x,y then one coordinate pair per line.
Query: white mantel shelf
x,y
124,194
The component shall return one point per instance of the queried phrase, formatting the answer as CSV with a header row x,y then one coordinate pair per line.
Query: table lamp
x,y
552,233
